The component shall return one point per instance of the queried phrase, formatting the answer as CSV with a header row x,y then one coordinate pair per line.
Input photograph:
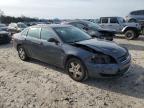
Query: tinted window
x,y
46,34
141,12
71,34
81,26
92,25
104,20
133,20
24,32
34,32
113,20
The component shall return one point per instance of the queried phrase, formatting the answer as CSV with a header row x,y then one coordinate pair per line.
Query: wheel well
x,y
69,57
72,56
131,28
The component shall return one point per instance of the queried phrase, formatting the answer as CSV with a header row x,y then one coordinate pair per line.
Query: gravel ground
x,y
35,84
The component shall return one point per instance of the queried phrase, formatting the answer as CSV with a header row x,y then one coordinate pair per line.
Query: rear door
x,y
114,24
33,42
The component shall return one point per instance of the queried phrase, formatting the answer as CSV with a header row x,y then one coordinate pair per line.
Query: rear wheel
x,y
76,69
22,54
130,34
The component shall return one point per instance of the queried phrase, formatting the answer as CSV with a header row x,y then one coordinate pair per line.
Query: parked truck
x,y
130,30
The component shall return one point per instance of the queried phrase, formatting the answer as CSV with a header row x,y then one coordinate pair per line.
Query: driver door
x,y
51,52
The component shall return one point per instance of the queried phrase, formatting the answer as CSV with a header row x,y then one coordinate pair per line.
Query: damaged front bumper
x,y
108,70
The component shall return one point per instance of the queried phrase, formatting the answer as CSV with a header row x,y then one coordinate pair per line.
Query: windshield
x,y
21,25
93,25
71,34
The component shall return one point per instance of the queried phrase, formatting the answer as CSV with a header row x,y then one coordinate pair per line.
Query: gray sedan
x,y
70,48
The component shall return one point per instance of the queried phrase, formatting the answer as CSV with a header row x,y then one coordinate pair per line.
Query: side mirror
x,y
53,40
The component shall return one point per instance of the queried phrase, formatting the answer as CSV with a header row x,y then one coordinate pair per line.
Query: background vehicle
x,y
70,48
3,27
4,36
16,27
93,29
131,30
137,15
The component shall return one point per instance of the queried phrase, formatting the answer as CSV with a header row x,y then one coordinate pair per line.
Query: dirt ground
x,y
35,84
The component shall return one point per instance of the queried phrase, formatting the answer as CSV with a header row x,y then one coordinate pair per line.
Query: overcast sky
x,y
70,8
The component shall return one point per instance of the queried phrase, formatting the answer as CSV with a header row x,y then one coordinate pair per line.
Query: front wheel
x,y
130,34
76,70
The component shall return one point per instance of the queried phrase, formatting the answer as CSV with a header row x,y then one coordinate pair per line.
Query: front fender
x,y
130,28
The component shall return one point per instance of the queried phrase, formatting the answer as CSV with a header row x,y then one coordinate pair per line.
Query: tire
x,y
76,70
22,54
109,39
130,34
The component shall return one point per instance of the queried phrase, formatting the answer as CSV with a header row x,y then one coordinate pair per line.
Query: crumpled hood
x,y
106,47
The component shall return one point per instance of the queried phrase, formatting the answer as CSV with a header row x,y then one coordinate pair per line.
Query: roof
x,y
51,25
136,10
111,17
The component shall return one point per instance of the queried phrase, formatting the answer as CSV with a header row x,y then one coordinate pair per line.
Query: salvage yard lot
x,y
35,84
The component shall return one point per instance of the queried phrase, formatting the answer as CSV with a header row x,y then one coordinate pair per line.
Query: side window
x,y
132,20
104,20
138,12
133,13
46,34
24,32
113,20
81,26
34,32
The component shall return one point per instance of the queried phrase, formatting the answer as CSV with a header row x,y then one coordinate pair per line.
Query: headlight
x,y
102,59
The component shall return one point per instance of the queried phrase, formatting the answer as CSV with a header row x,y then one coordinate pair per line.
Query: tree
x,y
1,13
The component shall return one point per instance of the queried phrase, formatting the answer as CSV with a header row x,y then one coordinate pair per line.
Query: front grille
x,y
123,58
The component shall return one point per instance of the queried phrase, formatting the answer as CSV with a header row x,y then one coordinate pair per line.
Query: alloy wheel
x,y
76,70
22,54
